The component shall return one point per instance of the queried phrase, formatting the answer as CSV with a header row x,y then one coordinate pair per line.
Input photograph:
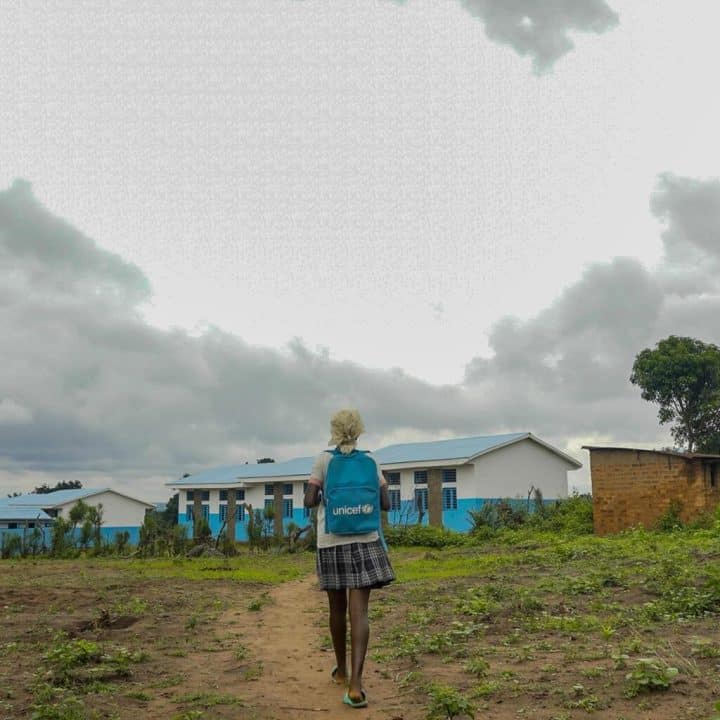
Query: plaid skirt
x,y
355,565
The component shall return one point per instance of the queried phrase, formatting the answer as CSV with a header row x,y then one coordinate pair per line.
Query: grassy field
x,y
522,625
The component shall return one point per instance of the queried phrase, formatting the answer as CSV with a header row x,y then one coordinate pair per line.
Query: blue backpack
x,y
351,494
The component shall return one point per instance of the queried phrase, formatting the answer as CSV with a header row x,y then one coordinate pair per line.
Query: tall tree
x,y
682,375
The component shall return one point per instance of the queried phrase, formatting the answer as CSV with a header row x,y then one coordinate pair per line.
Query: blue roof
x,y
52,499
435,450
9,512
228,474
443,449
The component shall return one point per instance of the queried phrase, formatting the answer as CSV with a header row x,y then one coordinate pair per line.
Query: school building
x,y
434,482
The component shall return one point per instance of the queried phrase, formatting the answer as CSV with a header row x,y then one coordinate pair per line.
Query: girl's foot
x,y
338,677
356,700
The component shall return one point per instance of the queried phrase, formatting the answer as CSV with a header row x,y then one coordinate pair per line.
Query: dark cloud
x,y
56,258
540,29
86,384
691,209
565,371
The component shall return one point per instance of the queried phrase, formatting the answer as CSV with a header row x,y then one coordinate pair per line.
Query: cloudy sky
x,y
220,222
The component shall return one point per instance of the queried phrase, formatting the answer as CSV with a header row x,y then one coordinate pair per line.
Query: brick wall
x,y
636,487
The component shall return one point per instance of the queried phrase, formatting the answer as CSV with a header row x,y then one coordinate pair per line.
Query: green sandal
x,y
356,703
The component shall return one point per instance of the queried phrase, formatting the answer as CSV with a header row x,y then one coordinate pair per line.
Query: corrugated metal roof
x,y
55,498
676,453
228,474
61,497
435,450
10,512
452,449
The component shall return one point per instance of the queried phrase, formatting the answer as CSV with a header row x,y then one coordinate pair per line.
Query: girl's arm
x,y
384,497
312,495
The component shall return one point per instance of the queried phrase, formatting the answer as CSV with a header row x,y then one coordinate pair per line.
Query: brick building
x,y
636,487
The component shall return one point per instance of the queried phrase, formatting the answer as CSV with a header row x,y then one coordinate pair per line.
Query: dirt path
x,y
277,660
287,637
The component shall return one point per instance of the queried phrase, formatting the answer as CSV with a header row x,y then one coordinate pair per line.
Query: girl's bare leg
x,y
359,637
338,629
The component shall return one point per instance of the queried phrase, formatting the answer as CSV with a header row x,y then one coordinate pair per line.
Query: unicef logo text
x,y
366,509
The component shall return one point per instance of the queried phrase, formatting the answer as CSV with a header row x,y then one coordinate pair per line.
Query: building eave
x,y
671,453
422,464
529,436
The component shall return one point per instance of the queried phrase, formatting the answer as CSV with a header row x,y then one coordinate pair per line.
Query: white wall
x,y
509,472
118,511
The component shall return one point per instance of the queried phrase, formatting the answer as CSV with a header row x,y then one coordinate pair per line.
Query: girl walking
x,y
349,566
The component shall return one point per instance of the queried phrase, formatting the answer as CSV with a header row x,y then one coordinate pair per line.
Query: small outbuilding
x,y
21,521
120,512
633,486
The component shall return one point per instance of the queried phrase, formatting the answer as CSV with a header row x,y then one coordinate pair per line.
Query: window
x,y
12,526
421,499
240,495
189,509
394,499
449,475
189,494
223,512
223,496
269,502
393,478
420,477
269,490
287,508
287,489
449,498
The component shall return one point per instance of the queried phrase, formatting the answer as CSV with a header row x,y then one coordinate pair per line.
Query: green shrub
x,y
498,515
446,703
648,675
424,536
121,541
570,516
11,545
670,519
61,541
